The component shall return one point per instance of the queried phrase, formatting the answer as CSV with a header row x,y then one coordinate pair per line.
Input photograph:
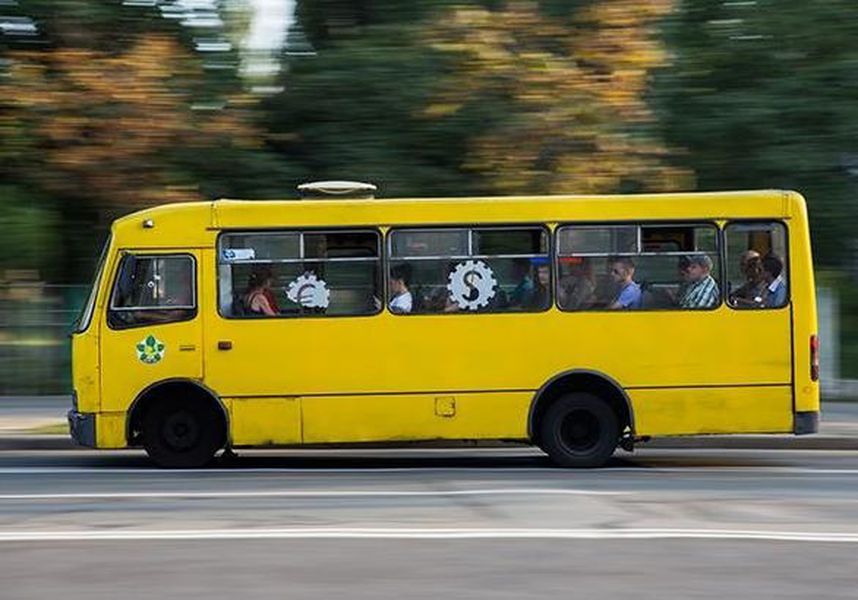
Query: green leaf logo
x,y
150,350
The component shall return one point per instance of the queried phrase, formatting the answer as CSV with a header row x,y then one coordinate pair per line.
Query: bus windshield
x,y
85,316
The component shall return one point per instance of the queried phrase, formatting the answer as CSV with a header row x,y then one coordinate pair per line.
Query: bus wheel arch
x,y
199,403
584,381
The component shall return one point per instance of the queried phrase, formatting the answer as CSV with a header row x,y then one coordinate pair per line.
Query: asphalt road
x,y
425,523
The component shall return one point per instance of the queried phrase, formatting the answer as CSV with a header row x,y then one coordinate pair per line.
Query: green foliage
x,y
29,230
355,111
762,94
456,98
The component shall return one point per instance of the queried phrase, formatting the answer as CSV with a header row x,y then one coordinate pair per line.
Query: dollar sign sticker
x,y
472,285
471,281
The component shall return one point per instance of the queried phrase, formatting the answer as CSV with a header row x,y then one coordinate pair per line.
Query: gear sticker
x,y
309,291
472,284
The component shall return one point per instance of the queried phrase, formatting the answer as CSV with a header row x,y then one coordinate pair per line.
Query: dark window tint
x,y
597,240
281,274
756,265
429,242
153,289
501,269
638,267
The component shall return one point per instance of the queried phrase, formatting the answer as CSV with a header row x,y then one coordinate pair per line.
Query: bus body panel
x,y
398,377
414,354
706,410
264,421
180,355
488,415
803,293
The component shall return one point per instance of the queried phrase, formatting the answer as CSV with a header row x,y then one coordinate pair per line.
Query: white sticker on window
x,y
233,254
472,284
309,291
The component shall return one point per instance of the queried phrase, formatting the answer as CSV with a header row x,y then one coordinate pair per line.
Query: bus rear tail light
x,y
814,358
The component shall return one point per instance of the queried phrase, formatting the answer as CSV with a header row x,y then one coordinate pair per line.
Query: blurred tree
x,y
355,110
29,239
566,97
762,94
452,98
109,109
101,127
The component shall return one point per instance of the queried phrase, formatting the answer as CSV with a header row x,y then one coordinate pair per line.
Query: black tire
x,y
579,430
182,433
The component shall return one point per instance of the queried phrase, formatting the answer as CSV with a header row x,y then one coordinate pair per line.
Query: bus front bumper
x,y
805,422
82,428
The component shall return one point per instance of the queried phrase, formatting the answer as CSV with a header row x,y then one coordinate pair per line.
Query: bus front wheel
x,y
579,430
181,434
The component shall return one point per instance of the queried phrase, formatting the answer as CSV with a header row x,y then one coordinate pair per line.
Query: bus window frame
x,y
85,317
543,227
719,252
193,309
380,259
786,260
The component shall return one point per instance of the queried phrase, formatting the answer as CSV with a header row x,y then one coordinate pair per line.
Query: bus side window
x,y
467,270
631,267
152,290
756,265
272,274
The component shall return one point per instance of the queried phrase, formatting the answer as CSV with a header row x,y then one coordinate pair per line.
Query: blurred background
x,y
110,106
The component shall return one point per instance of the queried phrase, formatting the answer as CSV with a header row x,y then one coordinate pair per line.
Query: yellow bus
x,y
574,323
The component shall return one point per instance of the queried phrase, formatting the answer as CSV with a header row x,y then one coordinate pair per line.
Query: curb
x,y
742,442
23,443
12,443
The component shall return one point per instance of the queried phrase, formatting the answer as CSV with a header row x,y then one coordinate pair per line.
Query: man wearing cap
x,y
701,291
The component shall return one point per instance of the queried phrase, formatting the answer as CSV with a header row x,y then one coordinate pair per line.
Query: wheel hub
x,y
181,430
580,431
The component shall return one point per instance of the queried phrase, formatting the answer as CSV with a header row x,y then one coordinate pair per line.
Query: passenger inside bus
x,y
700,290
401,300
522,294
776,291
750,293
258,296
623,273
541,297
577,287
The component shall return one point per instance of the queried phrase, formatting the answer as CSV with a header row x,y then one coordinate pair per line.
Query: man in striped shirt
x,y
701,290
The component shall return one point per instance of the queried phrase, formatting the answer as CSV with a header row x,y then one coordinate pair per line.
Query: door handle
x,y
187,347
224,345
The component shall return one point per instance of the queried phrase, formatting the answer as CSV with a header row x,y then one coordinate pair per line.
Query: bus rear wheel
x,y
182,434
579,430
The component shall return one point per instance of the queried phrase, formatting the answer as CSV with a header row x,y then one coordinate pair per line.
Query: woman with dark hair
x,y
541,298
258,297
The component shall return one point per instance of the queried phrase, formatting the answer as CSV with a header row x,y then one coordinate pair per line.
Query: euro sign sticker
x,y
309,291
472,285
150,350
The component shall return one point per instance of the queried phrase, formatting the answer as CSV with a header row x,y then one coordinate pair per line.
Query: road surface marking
x,y
427,533
309,494
642,470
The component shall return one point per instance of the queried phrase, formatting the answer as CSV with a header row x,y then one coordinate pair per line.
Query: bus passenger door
x,y
152,332
250,363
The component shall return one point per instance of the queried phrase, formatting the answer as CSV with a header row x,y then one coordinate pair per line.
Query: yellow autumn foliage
x,y
577,93
96,125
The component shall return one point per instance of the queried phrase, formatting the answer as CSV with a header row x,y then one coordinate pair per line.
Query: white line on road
x,y
427,533
308,494
641,470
